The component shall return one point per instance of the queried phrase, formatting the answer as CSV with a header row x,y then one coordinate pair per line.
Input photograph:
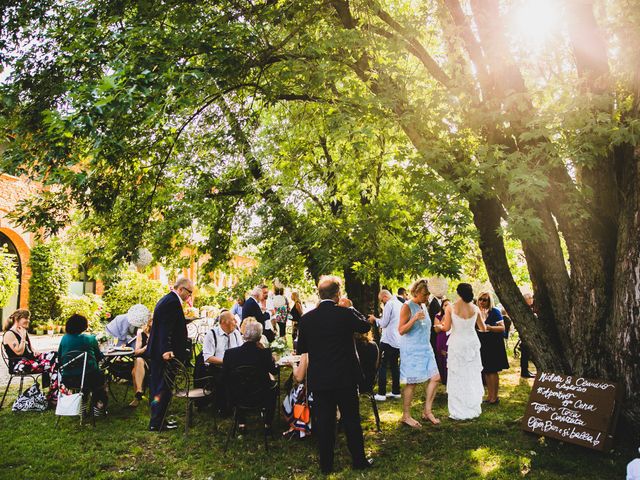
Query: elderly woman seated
x,y
253,354
73,343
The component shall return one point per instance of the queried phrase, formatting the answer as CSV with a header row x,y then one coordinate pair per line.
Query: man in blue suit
x,y
167,340
252,308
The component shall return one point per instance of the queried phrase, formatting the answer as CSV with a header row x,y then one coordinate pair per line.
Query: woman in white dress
x,y
464,384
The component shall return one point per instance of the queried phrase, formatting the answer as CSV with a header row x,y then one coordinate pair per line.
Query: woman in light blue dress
x,y
417,360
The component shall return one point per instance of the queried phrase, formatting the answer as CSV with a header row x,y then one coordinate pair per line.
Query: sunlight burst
x,y
534,21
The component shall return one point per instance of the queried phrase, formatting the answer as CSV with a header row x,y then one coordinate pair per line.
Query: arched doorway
x,y
14,301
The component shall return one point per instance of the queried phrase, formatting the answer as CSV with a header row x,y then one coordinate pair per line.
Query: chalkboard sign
x,y
573,409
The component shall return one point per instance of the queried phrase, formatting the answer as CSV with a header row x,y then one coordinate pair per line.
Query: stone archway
x,y
20,247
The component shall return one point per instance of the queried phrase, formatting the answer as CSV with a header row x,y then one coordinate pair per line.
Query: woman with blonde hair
x,y
22,357
417,360
296,314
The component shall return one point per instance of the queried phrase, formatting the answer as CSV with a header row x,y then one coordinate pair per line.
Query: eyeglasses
x,y
190,292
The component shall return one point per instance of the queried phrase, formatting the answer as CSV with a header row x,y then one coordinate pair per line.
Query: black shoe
x,y
527,375
163,428
368,463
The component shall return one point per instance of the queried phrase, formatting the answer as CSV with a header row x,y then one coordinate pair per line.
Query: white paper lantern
x,y
138,315
438,286
143,258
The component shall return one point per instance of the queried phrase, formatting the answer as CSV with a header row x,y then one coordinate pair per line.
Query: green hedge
x,y
90,306
132,288
50,277
8,276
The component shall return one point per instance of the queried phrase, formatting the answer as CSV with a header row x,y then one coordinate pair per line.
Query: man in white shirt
x,y
216,342
389,345
221,338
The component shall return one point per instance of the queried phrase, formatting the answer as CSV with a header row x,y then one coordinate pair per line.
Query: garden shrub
x,y
132,288
50,277
90,306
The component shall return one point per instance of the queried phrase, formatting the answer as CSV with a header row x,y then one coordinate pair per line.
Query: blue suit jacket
x,y
169,329
252,309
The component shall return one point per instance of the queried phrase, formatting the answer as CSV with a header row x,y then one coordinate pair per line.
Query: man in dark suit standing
x,y
167,340
326,334
433,309
252,308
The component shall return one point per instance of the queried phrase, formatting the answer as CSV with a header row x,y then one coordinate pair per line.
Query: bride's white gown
x,y
464,381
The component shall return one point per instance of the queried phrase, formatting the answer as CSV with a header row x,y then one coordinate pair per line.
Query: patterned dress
x,y
417,360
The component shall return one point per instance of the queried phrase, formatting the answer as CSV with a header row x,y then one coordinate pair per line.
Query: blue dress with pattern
x,y
417,360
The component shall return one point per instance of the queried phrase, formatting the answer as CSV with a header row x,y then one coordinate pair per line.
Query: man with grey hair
x,y
389,345
252,308
326,334
216,342
252,354
221,338
167,340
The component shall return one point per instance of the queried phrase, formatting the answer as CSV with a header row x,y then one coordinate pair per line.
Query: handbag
x,y
301,411
31,400
71,404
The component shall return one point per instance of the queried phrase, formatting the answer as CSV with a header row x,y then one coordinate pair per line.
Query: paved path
x,y
40,343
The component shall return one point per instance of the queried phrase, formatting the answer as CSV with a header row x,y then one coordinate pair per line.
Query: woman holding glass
x,y
417,360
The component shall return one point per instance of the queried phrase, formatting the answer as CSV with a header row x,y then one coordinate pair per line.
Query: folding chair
x,y
72,359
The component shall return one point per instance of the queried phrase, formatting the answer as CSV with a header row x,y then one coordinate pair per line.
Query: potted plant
x,y
39,330
50,329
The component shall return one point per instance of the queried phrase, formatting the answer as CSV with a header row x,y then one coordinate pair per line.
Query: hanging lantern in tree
x,y
143,258
438,286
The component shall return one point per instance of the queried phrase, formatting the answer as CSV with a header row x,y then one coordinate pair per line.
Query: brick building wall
x,y
12,190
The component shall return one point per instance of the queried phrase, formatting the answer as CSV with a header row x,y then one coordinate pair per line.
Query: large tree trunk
x,y
622,329
589,318
363,295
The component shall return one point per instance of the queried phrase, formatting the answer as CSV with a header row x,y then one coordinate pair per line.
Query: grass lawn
x,y
492,447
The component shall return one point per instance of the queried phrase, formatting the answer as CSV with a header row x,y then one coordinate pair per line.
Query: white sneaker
x,y
379,398
394,395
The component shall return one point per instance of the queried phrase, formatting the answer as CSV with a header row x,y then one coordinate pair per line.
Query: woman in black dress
x,y
296,314
492,349
140,366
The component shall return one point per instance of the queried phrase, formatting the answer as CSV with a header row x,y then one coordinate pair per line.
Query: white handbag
x,y
71,405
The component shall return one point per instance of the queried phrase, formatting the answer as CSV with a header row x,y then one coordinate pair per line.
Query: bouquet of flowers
x,y
209,311
191,312
279,346
102,337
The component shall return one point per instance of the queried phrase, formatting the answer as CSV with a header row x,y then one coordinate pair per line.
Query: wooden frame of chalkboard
x,y
573,409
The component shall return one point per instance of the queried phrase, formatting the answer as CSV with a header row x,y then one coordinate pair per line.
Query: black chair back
x,y
246,387
369,357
